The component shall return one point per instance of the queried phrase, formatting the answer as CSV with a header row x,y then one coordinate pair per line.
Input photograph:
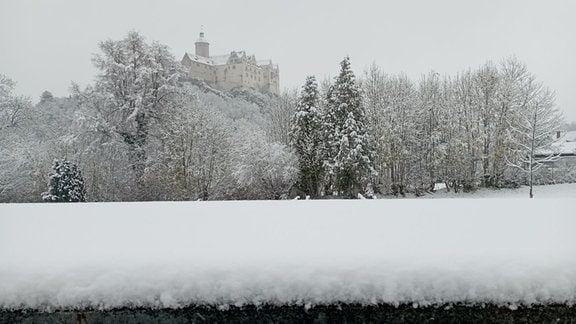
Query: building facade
x,y
234,70
562,167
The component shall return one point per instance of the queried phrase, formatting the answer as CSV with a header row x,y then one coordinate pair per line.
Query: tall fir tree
x,y
306,138
348,154
66,183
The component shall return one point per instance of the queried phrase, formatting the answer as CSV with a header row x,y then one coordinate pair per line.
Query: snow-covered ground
x,y
566,190
172,254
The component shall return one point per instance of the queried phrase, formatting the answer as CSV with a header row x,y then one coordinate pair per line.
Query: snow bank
x,y
305,252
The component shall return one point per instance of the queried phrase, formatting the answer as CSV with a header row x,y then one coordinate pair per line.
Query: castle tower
x,y
202,46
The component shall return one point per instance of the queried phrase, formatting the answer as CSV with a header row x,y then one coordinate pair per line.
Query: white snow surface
x,y
298,252
564,190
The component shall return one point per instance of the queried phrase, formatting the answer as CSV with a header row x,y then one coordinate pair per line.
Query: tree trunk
x,y
531,173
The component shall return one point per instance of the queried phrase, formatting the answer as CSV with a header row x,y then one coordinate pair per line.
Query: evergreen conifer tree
x,y
348,153
66,183
306,138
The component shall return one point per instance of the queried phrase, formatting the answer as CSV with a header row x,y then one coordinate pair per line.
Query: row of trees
x,y
489,127
464,131
144,131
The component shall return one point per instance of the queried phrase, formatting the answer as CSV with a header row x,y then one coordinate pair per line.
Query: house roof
x,y
566,144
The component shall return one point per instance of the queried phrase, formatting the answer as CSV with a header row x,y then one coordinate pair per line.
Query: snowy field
x,y
167,255
565,190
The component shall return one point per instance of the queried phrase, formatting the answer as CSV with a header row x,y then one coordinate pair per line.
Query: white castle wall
x,y
237,71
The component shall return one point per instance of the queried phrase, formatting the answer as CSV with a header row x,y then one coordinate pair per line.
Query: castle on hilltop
x,y
234,70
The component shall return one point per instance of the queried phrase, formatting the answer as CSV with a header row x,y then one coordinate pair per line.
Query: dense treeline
x,y
466,130
145,131
483,128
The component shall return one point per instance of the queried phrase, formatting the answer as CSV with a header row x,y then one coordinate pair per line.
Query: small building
x,y
233,70
562,169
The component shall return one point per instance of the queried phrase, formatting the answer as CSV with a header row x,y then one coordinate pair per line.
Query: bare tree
x,y
376,97
430,109
190,160
281,109
532,131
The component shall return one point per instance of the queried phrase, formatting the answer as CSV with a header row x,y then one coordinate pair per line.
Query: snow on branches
x,y
66,183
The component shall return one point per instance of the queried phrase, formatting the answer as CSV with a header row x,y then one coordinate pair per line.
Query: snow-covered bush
x,y
66,183
261,170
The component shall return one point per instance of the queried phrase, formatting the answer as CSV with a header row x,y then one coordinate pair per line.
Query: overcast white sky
x,y
45,45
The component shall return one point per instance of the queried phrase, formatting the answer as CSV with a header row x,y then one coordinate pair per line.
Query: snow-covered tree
x,y
533,131
14,109
491,118
306,138
21,176
429,119
192,157
390,102
66,183
260,169
376,100
461,135
348,146
278,114
402,143
46,96
135,83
